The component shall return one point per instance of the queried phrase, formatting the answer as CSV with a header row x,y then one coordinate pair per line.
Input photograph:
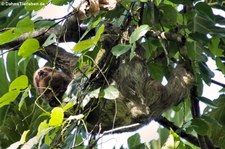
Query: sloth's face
x,y
51,83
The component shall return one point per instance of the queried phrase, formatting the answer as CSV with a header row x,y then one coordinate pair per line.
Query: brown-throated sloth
x,y
51,83
141,96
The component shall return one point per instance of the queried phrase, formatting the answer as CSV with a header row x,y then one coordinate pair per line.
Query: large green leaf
x,y
9,97
19,83
29,47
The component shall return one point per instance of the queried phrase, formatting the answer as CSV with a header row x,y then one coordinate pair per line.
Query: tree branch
x,y
167,124
204,141
58,57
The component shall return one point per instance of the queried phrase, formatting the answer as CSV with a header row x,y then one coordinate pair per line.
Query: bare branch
x,y
218,83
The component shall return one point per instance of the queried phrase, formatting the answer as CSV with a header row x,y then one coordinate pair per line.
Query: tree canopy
x,y
160,35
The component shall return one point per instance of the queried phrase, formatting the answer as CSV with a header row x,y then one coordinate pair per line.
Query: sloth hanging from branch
x,y
116,59
140,99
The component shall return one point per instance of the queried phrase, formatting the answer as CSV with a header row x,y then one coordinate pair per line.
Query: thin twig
x,y
218,83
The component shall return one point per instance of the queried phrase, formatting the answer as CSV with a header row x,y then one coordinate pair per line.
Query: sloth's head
x,y
51,83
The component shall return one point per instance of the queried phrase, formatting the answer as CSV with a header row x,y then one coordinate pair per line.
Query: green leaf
x,y
206,73
99,33
25,25
35,4
207,101
89,43
57,116
120,49
19,83
213,46
135,142
29,47
138,33
84,45
111,92
205,10
8,97
8,36
200,126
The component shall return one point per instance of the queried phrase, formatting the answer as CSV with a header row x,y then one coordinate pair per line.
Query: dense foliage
x,y
168,30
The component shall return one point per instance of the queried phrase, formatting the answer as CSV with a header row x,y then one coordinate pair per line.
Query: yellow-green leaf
x,y
8,36
57,116
83,45
8,97
23,137
19,83
86,44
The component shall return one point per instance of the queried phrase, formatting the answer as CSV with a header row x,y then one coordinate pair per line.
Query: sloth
x,y
140,95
